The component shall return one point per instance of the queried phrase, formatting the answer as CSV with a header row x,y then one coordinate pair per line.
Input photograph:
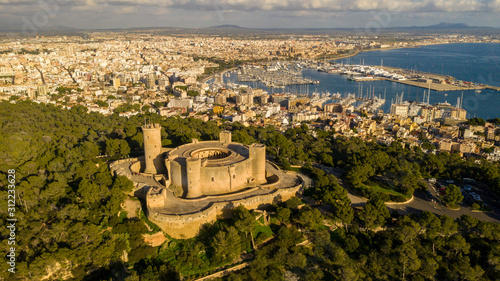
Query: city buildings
x,y
125,73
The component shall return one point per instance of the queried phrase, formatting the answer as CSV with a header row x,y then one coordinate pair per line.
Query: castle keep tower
x,y
152,148
225,137
258,155
193,170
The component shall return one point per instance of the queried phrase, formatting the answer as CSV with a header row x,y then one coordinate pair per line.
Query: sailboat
x,y
477,91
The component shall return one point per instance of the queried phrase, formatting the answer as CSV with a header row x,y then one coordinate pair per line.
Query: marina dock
x,y
276,75
492,88
433,86
435,82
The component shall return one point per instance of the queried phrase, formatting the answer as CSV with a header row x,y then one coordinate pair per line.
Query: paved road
x,y
421,202
338,172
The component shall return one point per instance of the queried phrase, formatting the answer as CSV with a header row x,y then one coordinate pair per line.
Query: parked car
x,y
468,180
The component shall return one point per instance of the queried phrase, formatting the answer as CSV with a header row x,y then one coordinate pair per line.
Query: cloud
x,y
288,5
253,13
327,5
496,6
125,10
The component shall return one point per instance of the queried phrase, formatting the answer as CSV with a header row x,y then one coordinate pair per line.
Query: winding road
x,y
421,202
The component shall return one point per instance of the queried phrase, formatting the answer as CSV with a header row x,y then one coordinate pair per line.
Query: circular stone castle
x,y
216,167
210,179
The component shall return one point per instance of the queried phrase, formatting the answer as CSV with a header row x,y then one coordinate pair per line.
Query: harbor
x,y
432,81
483,104
433,86
477,89
276,75
288,73
435,82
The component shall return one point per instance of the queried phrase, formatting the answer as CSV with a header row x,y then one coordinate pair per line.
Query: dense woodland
x,y
71,226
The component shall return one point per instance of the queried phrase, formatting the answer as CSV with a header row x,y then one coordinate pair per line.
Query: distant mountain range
x,y
445,25
442,25
228,26
231,29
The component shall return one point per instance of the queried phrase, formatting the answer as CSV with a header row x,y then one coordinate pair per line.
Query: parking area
x,y
476,194
430,200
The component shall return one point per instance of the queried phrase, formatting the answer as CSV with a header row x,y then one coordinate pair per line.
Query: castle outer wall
x,y
186,226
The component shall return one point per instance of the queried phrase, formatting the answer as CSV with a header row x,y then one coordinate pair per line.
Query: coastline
x,y
431,86
405,47
357,52
343,56
480,103
385,49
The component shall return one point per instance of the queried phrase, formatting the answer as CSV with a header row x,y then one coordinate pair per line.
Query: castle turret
x,y
193,171
225,137
152,148
258,156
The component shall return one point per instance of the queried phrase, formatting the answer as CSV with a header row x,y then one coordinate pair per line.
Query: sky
x,y
32,15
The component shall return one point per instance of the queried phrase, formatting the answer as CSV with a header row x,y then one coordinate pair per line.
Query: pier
x,y
432,81
492,88
364,79
432,86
